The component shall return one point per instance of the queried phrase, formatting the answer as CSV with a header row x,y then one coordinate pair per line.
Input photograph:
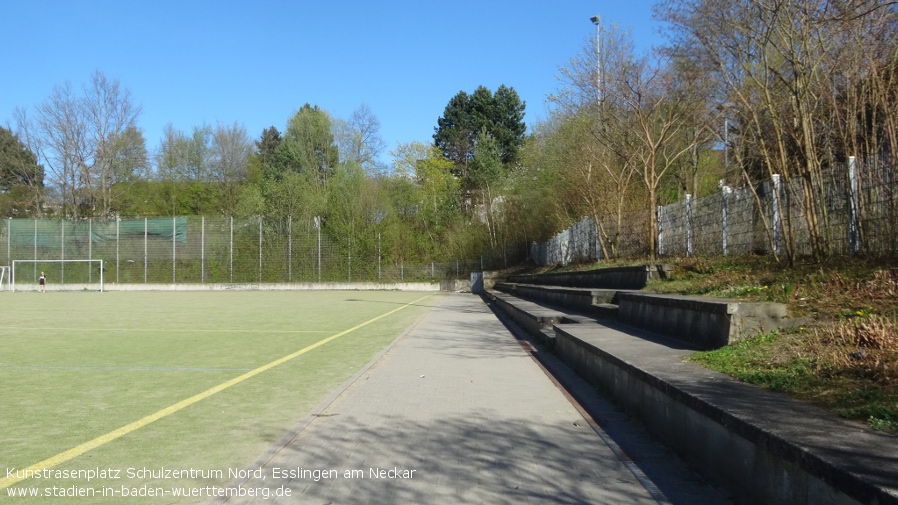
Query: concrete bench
x,y
709,323
537,320
632,277
589,300
761,446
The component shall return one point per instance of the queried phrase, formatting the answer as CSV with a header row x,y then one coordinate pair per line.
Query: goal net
x,y
60,275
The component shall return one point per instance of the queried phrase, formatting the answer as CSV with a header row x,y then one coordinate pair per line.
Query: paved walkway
x,y
461,409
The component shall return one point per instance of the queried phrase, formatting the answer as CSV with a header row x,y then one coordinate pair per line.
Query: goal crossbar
x,y
12,274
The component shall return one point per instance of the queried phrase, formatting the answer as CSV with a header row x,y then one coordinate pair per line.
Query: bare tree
x,y
801,73
654,115
601,159
230,150
359,140
108,114
81,139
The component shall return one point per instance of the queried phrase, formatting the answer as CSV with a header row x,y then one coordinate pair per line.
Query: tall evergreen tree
x,y
21,178
501,115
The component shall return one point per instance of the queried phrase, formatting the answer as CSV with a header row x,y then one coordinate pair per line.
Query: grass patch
x,y
844,360
756,360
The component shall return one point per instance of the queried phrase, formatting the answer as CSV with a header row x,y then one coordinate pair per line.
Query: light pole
x,y
725,109
600,80
726,148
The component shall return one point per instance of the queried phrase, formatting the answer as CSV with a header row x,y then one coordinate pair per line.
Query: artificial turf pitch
x,y
196,382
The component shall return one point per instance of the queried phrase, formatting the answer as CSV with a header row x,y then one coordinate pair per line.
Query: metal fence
x,y
852,207
220,250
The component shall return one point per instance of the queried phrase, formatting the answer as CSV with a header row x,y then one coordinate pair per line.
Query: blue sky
x,y
256,63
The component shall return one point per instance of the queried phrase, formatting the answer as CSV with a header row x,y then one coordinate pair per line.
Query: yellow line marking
x,y
76,451
17,329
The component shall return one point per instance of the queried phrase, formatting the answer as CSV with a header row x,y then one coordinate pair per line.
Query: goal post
x,y
61,275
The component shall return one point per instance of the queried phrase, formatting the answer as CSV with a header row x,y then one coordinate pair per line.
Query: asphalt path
x,y
460,410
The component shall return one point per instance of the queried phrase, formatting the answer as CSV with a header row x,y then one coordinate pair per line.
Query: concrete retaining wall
x,y
709,323
634,277
579,298
762,447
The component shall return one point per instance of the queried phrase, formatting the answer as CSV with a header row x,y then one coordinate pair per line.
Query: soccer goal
x,y
61,275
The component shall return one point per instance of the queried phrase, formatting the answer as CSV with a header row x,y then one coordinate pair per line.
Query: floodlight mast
x,y
600,77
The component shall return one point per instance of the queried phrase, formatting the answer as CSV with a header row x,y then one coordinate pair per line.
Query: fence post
x,y
572,249
35,251
61,250
231,251
260,249
118,220
90,249
174,236
725,224
145,250
853,208
290,248
597,242
659,216
688,225
777,218
318,227
203,250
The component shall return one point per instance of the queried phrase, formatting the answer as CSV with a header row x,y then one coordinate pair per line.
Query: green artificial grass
x,y
77,366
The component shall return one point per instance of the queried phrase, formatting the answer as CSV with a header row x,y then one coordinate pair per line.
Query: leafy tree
x,y
308,145
21,178
456,131
229,164
268,153
268,144
486,165
539,183
507,123
467,116
295,195
204,172
487,172
437,204
199,153
129,166
179,170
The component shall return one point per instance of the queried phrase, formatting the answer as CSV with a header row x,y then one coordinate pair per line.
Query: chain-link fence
x,y
848,209
220,250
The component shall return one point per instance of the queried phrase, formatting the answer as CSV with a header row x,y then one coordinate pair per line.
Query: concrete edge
x,y
249,286
790,472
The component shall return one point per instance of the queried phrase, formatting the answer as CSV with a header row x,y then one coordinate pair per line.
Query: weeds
x,y
845,359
